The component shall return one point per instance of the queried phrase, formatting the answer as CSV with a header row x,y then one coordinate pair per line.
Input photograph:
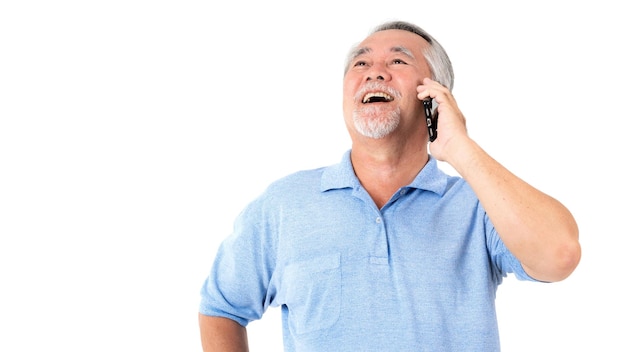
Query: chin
x,y
375,126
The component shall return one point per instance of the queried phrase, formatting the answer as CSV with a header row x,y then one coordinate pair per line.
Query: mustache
x,y
376,86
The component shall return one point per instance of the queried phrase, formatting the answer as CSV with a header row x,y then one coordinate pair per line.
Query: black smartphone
x,y
431,118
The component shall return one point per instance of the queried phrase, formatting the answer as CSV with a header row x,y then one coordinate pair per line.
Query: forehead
x,y
392,40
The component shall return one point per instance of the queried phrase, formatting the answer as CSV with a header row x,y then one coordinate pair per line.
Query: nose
x,y
379,77
378,72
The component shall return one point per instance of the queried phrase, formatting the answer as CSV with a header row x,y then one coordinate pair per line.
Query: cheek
x,y
409,92
349,89
352,81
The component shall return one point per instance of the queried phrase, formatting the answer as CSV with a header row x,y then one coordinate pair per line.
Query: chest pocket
x,y
313,293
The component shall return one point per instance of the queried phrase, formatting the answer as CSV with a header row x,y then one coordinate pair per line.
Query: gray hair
x,y
435,55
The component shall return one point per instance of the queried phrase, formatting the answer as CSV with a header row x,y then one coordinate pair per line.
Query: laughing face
x,y
380,82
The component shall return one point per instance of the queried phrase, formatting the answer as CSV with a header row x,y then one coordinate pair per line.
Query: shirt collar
x,y
342,175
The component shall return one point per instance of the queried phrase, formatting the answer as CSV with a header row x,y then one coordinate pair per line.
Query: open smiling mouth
x,y
376,97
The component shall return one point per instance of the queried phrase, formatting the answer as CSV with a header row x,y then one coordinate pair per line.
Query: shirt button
x,y
379,220
403,192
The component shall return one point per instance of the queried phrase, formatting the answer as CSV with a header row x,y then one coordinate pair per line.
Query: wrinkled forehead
x,y
360,51
390,41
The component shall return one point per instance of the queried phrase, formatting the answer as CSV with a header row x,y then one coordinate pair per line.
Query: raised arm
x,y
535,227
222,335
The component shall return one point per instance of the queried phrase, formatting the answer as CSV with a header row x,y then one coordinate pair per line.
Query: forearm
x,y
222,335
536,228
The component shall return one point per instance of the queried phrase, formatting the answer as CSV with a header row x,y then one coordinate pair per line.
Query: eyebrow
x,y
403,50
365,50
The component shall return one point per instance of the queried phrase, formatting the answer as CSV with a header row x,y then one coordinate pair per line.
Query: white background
x,y
133,132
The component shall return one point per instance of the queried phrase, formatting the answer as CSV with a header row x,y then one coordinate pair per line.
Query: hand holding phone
x,y
431,119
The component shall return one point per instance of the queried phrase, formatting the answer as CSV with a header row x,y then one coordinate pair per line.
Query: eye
x,y
360,63
398,61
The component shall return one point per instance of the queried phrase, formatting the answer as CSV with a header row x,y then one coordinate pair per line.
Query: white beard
x,y
372,123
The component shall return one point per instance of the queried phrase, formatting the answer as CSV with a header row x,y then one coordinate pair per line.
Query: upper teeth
x,y
368,96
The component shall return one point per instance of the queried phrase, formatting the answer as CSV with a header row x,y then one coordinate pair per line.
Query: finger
x,y
424,94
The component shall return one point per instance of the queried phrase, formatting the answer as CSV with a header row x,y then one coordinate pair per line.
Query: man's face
x,y
379,90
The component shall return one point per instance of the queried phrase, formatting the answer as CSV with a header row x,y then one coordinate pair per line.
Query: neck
x,y
383,167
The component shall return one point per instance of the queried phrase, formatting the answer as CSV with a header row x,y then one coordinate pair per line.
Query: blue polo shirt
x,y
420,274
